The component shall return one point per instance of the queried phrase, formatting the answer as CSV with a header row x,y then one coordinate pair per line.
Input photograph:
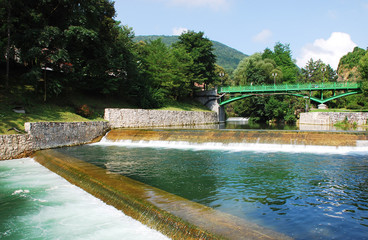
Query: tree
x,y
283,59
223,78
256,70
317,72
79,39
201,51
165,71
363,69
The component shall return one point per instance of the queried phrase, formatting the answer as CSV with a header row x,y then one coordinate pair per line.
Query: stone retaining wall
x,y
55,134
331,118
16,145
44,135
119,118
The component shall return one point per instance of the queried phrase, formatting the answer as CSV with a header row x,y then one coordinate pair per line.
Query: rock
x,y
19,110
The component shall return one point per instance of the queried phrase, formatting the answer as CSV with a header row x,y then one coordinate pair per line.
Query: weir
x,y
293,138
173,215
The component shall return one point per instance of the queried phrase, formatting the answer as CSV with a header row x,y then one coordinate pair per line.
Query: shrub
x,y
84,111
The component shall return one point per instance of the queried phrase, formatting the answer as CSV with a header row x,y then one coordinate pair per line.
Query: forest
x,y
63,47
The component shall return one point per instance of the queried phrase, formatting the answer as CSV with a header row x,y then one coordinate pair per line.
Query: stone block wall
x,y
331,118
16,145
44,135
55,134
119,118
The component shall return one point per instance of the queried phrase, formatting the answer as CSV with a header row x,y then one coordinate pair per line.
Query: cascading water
x,y
35,203
306,185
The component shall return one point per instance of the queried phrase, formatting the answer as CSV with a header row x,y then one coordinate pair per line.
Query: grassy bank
x,y
76,107
339,110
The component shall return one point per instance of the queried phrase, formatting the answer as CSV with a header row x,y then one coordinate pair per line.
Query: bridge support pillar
x,y
322,106
211,100
221,114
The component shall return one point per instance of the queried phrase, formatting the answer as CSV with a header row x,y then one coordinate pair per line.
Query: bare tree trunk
x,y
44,79
8,50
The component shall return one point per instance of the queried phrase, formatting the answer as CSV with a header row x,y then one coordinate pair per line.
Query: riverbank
x,y
17,108
46,135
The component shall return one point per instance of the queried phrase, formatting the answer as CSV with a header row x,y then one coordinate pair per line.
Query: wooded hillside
x,y
227,57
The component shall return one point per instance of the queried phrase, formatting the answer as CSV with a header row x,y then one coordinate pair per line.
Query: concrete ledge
x,y
330,118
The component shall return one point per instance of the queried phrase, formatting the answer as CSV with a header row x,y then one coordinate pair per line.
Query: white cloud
x,y
179,30
263,37
329,51
213,4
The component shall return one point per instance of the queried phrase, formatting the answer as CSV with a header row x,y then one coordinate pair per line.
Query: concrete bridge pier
x,y
322,106
210,100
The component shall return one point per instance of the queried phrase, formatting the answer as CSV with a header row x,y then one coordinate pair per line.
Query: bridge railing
x,y
290,87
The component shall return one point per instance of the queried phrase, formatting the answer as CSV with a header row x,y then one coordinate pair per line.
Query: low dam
x,y
227,184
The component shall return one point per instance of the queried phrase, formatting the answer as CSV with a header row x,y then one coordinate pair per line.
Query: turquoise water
x,y
302,194
38,204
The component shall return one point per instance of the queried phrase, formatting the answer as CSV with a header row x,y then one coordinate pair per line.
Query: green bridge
x,y
339,89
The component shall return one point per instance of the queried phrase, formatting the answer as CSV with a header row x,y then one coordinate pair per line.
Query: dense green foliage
x,y
202,70
227,57
352,59
77,43
68,46
175,72
277,67
256,70
317,72
165,72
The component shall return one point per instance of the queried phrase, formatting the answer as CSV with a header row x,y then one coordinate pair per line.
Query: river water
x,y
299,193
305,192
35,203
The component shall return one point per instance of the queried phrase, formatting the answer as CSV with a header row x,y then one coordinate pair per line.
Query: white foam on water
x,y
254,147
57,209
20,191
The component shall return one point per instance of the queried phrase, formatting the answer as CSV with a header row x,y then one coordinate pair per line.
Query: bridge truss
x,y
340,89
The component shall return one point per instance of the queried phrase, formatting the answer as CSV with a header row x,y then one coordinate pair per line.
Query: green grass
x,y
187,105
339,110
36,113
64,108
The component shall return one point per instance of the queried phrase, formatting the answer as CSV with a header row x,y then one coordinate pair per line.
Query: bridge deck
x,y
240,92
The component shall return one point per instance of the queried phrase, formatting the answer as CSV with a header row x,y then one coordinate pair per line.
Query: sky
x,y
318,29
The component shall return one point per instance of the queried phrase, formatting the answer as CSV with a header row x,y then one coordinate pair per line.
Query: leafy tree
x,y
363,69
165,71
267,68
363,66
79,39
348,68
223,78
256,70
352,59
201,51
317,72
283,59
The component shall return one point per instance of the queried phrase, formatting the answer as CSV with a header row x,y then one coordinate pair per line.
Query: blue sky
x,y
323,29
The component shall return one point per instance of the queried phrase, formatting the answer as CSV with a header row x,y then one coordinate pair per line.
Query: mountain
x,y
227,57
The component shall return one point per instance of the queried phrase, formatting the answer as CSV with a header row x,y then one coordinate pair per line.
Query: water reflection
x,y
254,126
